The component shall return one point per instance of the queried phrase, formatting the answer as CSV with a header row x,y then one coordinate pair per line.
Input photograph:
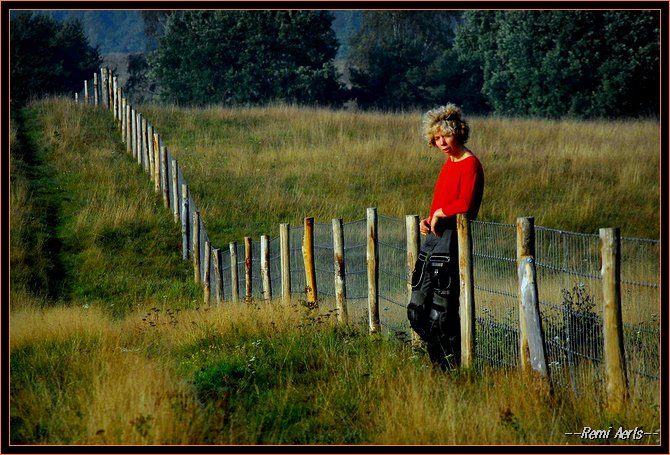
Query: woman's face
x,y
448,144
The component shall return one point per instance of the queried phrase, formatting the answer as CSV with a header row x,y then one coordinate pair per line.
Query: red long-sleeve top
x,y
459,188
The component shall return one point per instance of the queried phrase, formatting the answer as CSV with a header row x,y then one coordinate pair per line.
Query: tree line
x,y
549,63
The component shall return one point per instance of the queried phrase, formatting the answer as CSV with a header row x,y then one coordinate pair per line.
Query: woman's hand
x,y
436,217
424,226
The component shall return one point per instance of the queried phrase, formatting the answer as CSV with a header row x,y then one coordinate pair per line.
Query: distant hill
x,y
123,31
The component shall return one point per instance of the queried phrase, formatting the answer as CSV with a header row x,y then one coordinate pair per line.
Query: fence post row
x,y
144,144
532,352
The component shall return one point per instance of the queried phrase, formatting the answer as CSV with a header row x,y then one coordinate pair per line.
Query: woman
x,y
433,308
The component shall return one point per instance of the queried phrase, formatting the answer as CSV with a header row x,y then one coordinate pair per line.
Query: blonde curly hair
x,y
447,120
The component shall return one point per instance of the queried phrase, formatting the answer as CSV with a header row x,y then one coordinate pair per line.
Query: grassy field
x,y
109,343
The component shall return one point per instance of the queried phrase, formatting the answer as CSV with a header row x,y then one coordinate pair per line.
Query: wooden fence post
x,y
96,89
218,273
532,348
285,255
340,274
104,87
248,264
138,138
164,177
157,159
308,258
467,296
206,269
175,190
265,267
133,131
115,100
124,125
373,271
196,246
119,107
234,282
86,92
613,343
145,146
184,221
413,246
129,130
151,153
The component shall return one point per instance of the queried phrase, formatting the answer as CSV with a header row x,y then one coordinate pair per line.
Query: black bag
x,y
434,282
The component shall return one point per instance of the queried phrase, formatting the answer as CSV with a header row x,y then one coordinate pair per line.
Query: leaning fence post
x,y
234,282
373,271
265,267
308,258
467,296
248,273
340,274
413,246
532,351
613,343
285,254
206,269
196,246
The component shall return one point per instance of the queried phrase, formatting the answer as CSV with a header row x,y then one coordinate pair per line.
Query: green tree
x,y
247,57
565,63
405,60
48,57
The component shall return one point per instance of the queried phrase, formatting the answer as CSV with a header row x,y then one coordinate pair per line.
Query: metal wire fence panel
x,y
297,264
496,301
355,256
570,293
323,260
393,274
640,302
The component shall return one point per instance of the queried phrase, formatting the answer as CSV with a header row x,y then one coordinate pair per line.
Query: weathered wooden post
x,y
340,274
248,264
164,177
467,296
532,348
124,125
151,153
175,190
613,343
265,267
285,256
119,107
413,246
218,273
129,130
140,152
184,221
157,162
76,98
373,271
308,258
86,92
196,246
96,89
145,145
115,101
104,87
206,269
133,132
234,282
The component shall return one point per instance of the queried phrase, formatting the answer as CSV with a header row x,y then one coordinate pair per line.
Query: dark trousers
x,y
433,307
